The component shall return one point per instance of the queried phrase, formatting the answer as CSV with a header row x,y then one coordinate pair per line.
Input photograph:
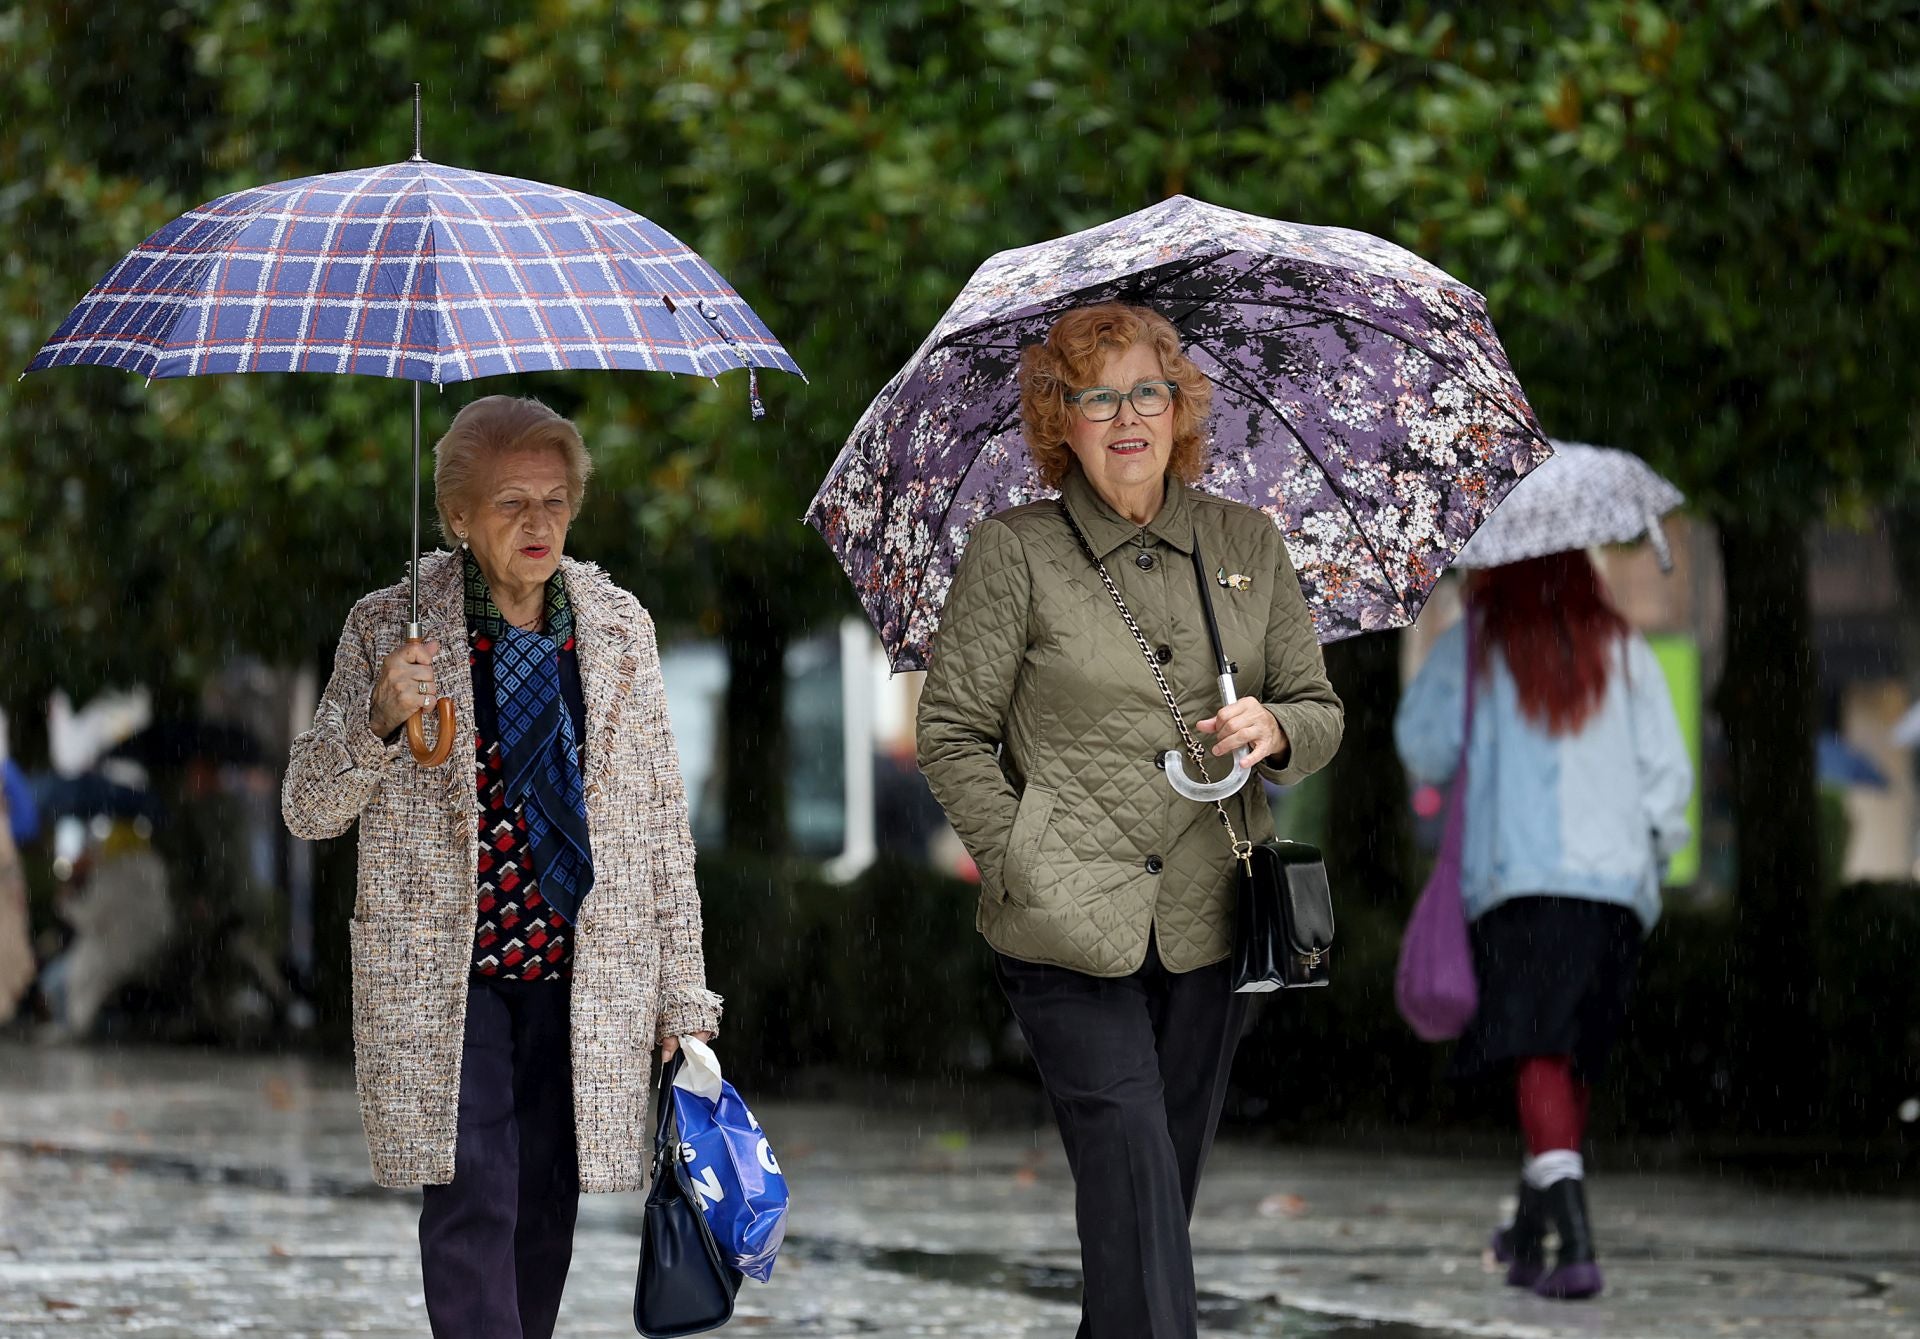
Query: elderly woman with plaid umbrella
x,y
527,933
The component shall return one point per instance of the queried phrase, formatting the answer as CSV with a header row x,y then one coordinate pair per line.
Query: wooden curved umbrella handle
x,y
443,735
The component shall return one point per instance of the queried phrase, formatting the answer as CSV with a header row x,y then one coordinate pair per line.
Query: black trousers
x,y
1136,1068
496,1241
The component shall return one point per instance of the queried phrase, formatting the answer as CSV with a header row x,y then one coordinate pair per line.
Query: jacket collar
x,y
605,637
1106,529
443,601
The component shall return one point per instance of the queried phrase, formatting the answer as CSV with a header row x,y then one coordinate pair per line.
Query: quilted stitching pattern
x,y
1040,724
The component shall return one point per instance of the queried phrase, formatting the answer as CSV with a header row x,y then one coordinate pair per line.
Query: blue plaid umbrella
x,y
417,271
412,270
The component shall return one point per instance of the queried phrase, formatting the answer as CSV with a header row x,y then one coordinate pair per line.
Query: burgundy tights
x,y
1553,1103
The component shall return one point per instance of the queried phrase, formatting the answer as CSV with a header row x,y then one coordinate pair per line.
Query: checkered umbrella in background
x,y
416,271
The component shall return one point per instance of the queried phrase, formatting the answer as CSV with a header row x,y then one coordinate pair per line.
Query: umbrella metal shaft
x,y
413,566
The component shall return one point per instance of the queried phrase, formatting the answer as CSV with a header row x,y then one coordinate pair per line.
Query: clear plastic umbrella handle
x,y
1203,789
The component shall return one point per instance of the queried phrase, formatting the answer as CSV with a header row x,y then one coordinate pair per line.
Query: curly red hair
x,y
1070,360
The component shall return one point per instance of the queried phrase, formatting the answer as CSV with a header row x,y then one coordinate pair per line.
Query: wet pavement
x,y
171,1193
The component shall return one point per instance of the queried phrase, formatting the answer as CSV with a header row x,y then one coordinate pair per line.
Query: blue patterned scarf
x,y
540,756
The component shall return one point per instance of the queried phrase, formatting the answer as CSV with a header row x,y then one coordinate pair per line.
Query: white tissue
x,y
700,1071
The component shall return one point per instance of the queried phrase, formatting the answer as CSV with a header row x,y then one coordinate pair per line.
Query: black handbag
x,y
1283,928
1283,908
684,1286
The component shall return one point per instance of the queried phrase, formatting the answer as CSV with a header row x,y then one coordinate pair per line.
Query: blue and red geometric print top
x,y
412,270
518,935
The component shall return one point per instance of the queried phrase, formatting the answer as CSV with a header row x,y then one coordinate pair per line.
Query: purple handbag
x,y
1434,985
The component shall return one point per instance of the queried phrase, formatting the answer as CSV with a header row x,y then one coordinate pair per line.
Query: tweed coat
x,y
638,973
1041,727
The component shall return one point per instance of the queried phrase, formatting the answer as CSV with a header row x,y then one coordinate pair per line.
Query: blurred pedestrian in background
x,y
16,933
1577,790
1106,896
23,814
527,930
118,904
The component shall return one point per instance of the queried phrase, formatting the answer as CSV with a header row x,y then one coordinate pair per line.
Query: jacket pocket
x,y
1023,844
396,967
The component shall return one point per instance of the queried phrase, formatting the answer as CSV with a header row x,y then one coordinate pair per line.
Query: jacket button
x,y
1143,560
1155,864
1163,654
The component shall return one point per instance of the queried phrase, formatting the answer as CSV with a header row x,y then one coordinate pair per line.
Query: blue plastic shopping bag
x,y
735,1177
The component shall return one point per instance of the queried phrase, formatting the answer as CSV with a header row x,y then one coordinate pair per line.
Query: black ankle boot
x,y
1575,1273
1520,1245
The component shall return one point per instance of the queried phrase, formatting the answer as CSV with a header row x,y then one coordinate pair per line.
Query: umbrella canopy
x,y
417,271
413,270
1585,495
1361,399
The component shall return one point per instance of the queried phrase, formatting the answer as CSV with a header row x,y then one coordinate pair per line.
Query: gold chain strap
x,y
1242,850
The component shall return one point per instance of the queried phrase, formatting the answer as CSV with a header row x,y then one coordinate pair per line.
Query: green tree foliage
x,y
846,166
1691,220
853,164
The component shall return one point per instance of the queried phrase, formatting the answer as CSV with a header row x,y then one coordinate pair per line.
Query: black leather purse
x,y
1283,909
684,1286
1283,931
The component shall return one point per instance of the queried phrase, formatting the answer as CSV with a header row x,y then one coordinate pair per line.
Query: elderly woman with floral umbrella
x,y
1106,897
526,933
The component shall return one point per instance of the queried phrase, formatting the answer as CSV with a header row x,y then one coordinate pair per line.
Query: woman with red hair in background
x,y
1577,789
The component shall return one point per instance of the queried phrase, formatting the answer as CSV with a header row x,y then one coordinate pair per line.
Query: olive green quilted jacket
x,y
1040,725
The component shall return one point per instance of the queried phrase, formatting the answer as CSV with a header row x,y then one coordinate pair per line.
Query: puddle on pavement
x,y
1218,1314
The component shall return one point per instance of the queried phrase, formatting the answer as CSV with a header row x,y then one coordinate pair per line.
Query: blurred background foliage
x,y
1694,223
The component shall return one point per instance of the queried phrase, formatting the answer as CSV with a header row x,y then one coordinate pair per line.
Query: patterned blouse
x,y
517,936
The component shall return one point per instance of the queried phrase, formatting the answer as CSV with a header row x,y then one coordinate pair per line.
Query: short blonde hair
x,y
1069,360
490,426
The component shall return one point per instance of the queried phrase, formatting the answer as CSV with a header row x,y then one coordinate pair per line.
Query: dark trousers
x,y
495,1242
1136,1068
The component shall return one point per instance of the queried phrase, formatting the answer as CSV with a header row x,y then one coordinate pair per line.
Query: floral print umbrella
x,y
1361,399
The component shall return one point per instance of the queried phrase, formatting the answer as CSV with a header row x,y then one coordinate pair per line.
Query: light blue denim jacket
x,y
1594,814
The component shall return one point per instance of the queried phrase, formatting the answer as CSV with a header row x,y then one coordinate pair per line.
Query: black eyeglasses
x,y
1097,404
